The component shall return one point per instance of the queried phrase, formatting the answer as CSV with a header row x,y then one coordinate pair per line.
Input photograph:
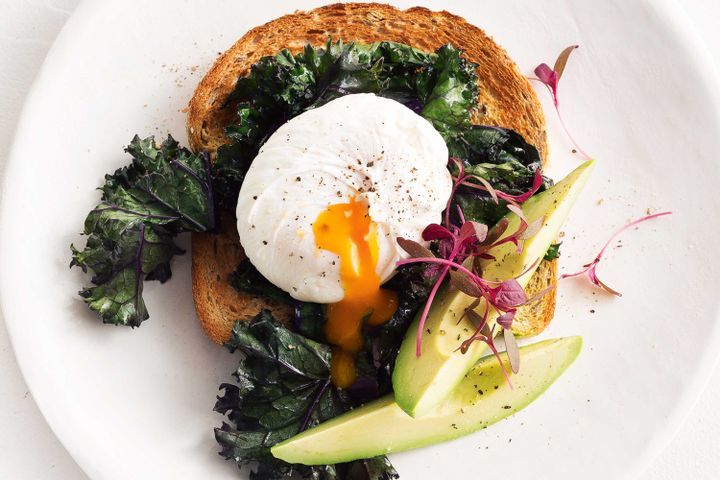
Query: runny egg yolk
x,y
347,230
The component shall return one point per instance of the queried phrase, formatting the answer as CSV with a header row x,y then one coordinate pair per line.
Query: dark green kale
x,y
447,89
382,342
499,155
166,190
283,387
247,279
440,86
309,320
504,159
553,252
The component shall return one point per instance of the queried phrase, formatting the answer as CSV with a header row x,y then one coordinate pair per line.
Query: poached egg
x,y
326,197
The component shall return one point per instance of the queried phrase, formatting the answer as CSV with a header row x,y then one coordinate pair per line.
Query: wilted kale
x,y
440,86
283,387
283,380
308,318
165,191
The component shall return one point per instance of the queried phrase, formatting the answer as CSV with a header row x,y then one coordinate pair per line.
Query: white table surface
x,y
28,448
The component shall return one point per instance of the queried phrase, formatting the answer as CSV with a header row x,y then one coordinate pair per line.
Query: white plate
x,y
137,404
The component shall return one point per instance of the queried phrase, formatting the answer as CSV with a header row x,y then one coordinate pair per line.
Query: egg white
x,y
362,146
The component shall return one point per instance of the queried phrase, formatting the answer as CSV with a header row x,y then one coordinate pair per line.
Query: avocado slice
x,y
421,383
482,398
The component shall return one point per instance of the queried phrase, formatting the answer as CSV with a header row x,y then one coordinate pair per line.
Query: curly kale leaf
x,y
504,159
165,191
499,155
385,68
448,92
440,86
283,387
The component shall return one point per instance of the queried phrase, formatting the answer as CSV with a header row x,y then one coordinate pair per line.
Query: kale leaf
x,y
165,191
440,86
309,320
504,159
553,252
246,278
376,362
499,155
283,387
448,92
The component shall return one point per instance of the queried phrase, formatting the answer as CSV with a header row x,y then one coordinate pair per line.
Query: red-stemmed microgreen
x,y
497,194
461,215
550,77
472,239
590,269
477,182
486,334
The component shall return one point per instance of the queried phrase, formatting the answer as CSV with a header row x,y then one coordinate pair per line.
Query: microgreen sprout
x,y
460,249
473,181
550,77
590,269
472,240
486,334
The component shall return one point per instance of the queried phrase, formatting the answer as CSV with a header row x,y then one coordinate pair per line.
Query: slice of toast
x,y
533,318
505,99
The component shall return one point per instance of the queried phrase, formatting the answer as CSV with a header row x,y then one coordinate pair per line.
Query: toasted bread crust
x,y
506,99
533,318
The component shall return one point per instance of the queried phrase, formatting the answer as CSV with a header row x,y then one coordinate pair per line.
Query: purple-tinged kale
x,y
283,387
165,191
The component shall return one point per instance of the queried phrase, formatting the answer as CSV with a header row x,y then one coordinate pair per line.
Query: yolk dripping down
x,y
347,230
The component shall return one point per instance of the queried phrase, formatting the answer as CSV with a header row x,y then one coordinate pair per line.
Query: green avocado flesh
x,y
421,383
482,398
